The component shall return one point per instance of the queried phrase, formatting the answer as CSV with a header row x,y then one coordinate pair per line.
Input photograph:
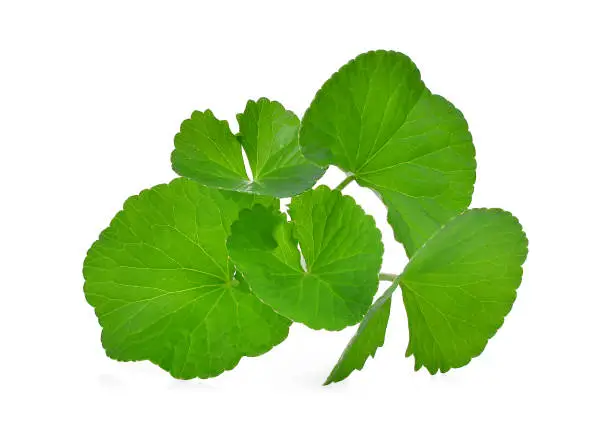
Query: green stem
x,y
387,276
345,182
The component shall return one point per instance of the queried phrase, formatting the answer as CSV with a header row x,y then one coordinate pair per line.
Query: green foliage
x,y
369,336
376,120
164,289
342,251
209,153
459,287
195,274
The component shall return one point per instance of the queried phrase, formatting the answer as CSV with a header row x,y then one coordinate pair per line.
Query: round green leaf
x,y
208,152
342,253
460,285
376,120
163,287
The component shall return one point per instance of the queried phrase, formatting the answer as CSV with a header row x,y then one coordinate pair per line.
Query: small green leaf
x,y
342,251
460,285
369,336
376,120
208,152
163,287
269,135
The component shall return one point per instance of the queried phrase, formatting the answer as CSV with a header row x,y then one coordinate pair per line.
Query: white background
x,y
92,93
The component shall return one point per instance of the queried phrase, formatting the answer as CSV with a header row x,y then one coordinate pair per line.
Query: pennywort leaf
x,y
195,274
164,289
369,337
376,120
457,289
342,253
460,285
208,152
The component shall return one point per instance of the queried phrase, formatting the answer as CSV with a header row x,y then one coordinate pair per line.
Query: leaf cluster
x,y
195,274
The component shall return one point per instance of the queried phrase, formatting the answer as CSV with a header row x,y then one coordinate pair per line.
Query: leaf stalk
x,y
344,183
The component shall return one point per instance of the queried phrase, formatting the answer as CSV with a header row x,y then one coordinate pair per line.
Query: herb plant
x,y
197,273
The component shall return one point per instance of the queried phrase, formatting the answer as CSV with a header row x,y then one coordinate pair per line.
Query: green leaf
x,y
269,135
163,287
369,336
342,251
460,285
208,152
376,120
